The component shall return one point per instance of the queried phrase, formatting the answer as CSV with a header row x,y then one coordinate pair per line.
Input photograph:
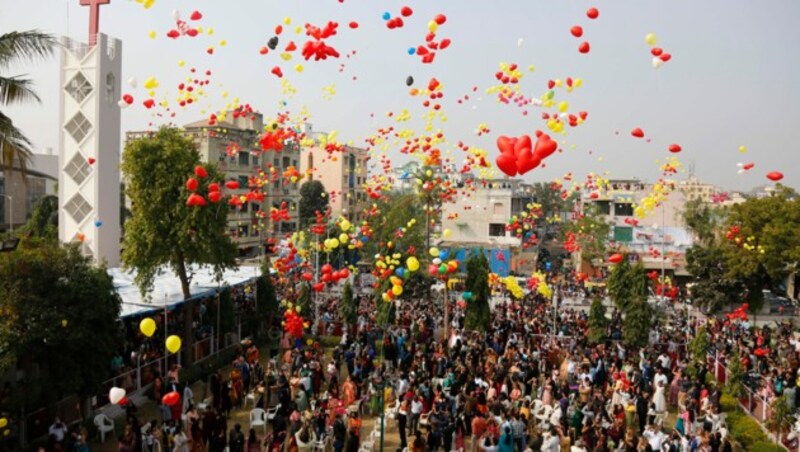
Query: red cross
x,y
94,18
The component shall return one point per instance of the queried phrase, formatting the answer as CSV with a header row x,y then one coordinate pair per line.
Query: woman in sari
x,y
349,392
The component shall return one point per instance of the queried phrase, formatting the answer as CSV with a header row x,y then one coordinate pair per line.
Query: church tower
x,y
89,142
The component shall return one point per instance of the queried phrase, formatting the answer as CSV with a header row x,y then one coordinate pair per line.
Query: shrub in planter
x,y
728,404
745,430
763,446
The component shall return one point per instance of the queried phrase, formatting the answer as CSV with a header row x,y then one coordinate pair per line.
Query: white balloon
x,y
520,42
740,164
741,171
133,82
657,62
116,394
176,15
123,104
437,261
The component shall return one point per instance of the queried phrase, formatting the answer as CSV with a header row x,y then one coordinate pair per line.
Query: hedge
x,y
762,446
746,431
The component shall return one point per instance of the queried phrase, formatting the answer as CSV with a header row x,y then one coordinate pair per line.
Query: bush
x,y
765,446
727,403
745,430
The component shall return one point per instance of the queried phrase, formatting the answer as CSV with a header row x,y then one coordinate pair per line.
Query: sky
x,y
732,81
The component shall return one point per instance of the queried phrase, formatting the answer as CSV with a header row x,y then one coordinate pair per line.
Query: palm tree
x,y
16,46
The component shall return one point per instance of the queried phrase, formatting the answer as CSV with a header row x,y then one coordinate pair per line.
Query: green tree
x,y
305,303
699,346
637,323
478,314
18,46
734,383
396,210
712,287
704,219
266,298
591,231
598,323
163,230
313,199
59,320
226,316
348,308
626,283
781,416
43,222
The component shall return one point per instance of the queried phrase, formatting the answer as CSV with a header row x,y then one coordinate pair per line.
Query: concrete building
x,y
19,194
233,145
343,174
403,176
89,139
693,189
479,221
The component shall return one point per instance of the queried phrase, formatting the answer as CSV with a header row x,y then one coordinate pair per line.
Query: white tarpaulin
x,y
167,287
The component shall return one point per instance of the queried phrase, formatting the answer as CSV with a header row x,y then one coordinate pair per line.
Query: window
x,y
78,208
111,89
255,160
497,230
243,181
604,207
78,127
79,88
244,158
623,209
78,169
244,230
286,162
497,208
222,156
623,234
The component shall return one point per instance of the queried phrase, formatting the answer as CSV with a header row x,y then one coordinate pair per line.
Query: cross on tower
x,y
94,18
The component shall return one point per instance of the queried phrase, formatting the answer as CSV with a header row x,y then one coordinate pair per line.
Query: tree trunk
x,y
188,313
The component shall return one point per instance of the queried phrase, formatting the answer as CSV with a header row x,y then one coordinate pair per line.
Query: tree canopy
x,y
626,283
59,315
313,199
43,222
478,314
591,232
163,230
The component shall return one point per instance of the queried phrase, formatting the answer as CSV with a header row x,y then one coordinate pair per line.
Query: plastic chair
x,y
104,425
272,412
250,397
258,418
203,406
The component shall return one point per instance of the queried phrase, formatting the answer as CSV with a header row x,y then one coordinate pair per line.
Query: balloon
x,y
387,15
344,273
434,252
192,184
327,268
592,13
576,31
616,258
215,196
397,290
437,260
637,132
195,200
657,63
173,344
674,148
467,296
440,19
650,39
115,395
171,398
742,149
412,263
3,422
775,176
412,50
442,269
147,326
307,276
318,287
97,223
507,164
443,254
584,47
399,272
433,269
447,233
232,184
343,238
409,80
200,172
406,11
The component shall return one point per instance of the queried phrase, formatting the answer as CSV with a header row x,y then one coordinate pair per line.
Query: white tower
x,y
89,143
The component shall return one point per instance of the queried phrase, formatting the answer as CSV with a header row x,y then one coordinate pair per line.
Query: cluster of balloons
x,y
193,185
438,267
293,323
734,234
659,56
513,287
518,155
396,289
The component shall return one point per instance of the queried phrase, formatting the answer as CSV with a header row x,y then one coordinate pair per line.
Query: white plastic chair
x,y
258,418
367,446
320,445
203,406
104,425
423,419
250,397
272,412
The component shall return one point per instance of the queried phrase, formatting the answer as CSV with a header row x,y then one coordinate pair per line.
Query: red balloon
x,y
440,19
616,258
327,268
576,31
675,148
656,51
318,287
584,47
775,176
215,196
345,273
195,200
433,269
200,172
197,15
545,146
232,184
212,187
637,132
277,71
406,11
326,277
353,25
444,44
508,165
665,57
307,276
171,398
192,184
592,13
149,103
128,99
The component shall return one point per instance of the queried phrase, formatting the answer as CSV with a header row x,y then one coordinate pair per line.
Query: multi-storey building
x,y
19,193
233,145
343,173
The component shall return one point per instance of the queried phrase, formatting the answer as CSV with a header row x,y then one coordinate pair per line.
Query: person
x,y
659,398
252,442
305,438
339,433
402,413
236,439
180,440
506,443
58,430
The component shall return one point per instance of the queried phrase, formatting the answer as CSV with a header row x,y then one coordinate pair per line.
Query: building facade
x,y
233,146
19,194
343,174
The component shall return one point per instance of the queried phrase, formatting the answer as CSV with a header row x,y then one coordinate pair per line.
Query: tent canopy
x,y
167,287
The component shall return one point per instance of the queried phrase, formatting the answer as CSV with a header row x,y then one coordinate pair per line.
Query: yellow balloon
x,y
434,252
397,290
173,344
650,39
345,225
147,326
742,149
3,422
412,263
447,233
334,243
343,238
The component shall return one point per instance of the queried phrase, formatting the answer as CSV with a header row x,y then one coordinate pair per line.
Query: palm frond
x,y
15,147
16,90
25,46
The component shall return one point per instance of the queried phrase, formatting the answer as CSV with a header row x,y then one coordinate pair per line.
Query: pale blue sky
x,y
733,79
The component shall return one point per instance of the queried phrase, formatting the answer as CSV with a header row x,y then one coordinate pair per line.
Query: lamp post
x,y
10,211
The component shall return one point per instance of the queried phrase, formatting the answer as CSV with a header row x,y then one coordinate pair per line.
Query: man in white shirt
x,y
655,437
58,430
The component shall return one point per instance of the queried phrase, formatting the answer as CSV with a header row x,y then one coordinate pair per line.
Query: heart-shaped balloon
x,y
115,395
522,145
527,161
506,144
545,146
507,163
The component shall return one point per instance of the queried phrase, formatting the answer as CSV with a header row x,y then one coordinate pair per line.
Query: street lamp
x,y
10,211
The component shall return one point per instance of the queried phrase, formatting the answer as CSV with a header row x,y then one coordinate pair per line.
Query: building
x,y
403,180
693,189
89,138
479,221
343,173
661,232
233,145
19,194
